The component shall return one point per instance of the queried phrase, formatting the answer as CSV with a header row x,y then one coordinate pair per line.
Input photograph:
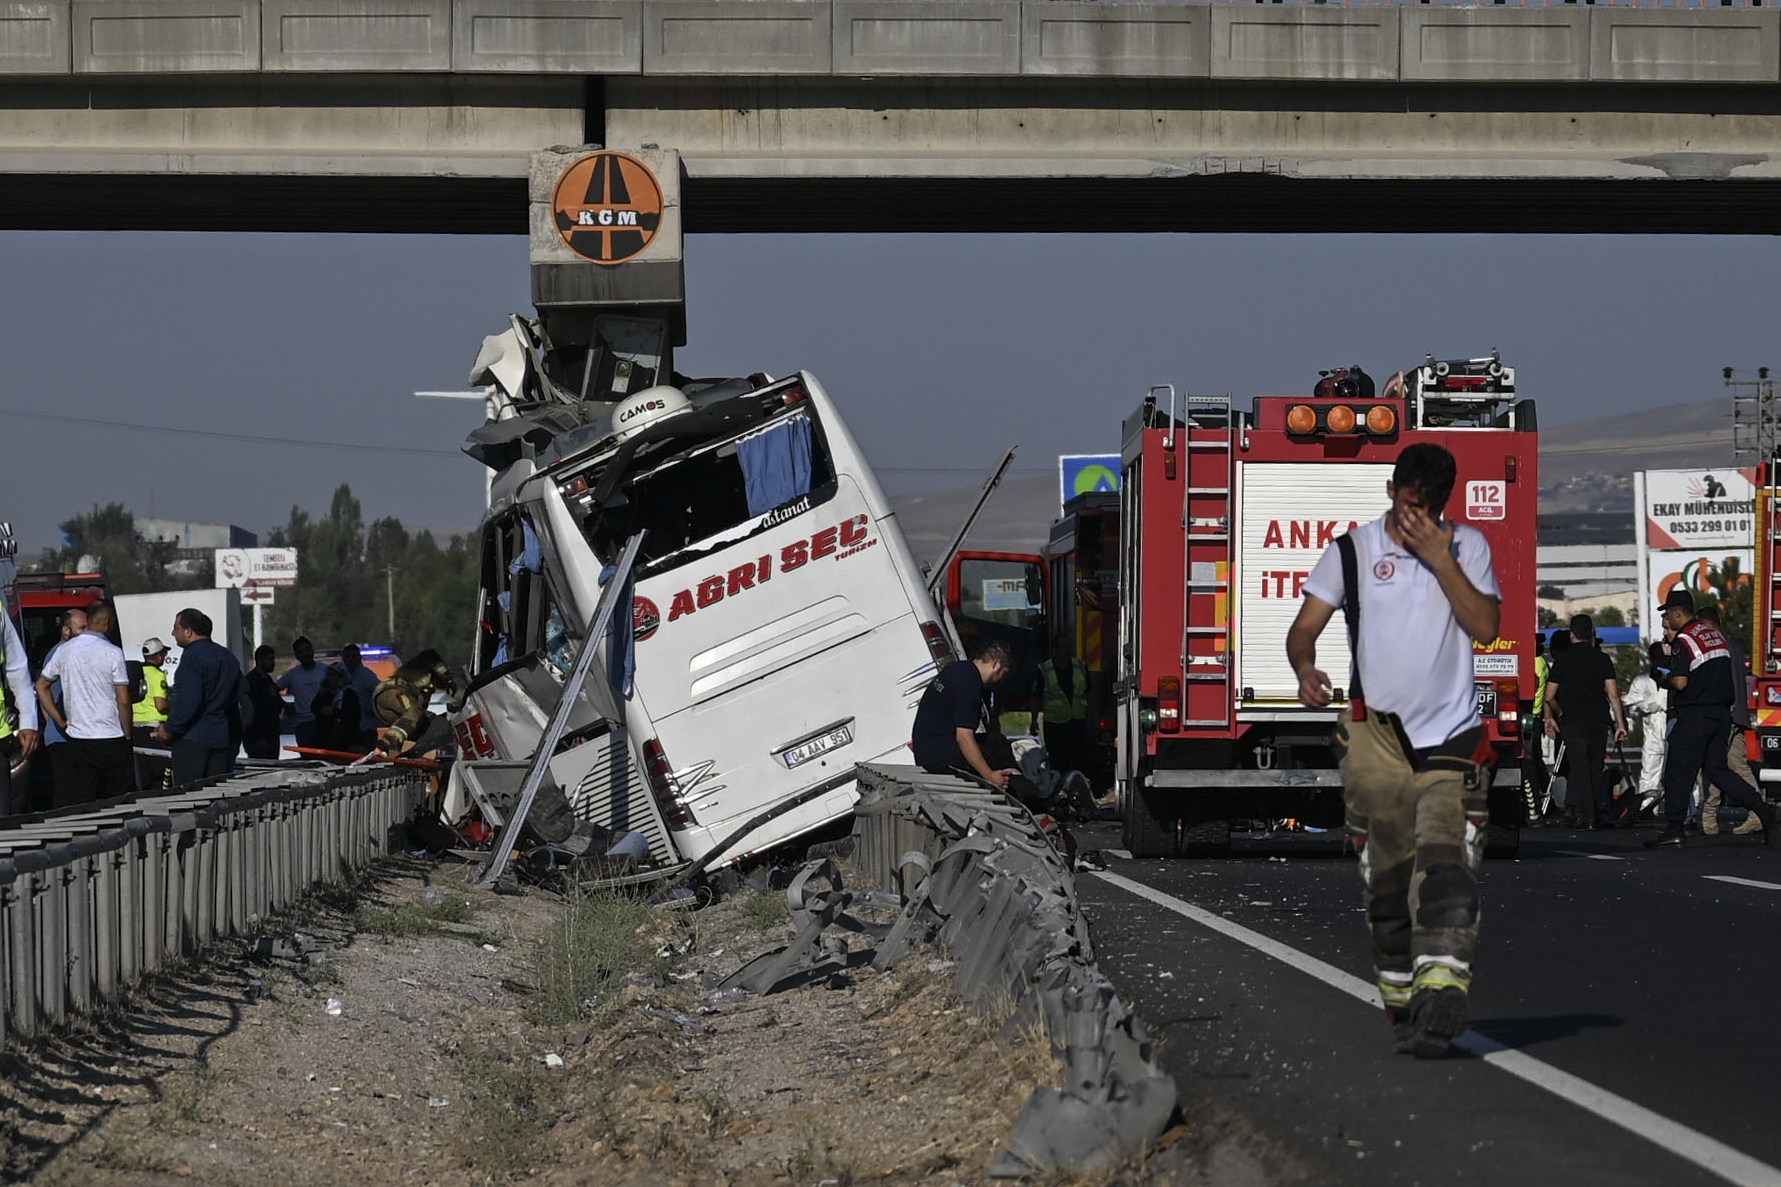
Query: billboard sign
x,y
1086,473
243,568
1696,510
1709,576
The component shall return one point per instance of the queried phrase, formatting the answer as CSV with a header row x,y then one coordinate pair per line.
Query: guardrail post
x,y
52,960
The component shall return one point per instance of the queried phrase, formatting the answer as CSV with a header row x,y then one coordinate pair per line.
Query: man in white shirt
x,y
18,739
95,712
1415,770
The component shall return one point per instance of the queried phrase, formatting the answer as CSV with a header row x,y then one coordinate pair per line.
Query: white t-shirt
x,y
1415,658
90,667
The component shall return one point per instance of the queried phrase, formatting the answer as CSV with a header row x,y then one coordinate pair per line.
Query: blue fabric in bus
x,y
531,554
776,465
621,640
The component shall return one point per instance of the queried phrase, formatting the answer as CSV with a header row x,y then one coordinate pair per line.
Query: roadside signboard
x,y
1699,509
243,568
259,595
1083,473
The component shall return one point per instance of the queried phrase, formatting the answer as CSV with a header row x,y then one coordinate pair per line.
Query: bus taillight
x,y
939,650
1168,705
665,787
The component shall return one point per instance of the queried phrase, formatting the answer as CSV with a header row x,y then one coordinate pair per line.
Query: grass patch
x,y
113,1153
412,919
594,938
764,910
513,1105
185,1102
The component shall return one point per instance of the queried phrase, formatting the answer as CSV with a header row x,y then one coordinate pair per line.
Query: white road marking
x,y
1122,854
1591,856
1710,1155
1742,881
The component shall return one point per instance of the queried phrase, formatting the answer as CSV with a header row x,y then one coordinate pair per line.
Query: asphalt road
x,y
1637,984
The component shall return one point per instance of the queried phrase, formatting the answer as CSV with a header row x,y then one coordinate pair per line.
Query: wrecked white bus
x,y
780,631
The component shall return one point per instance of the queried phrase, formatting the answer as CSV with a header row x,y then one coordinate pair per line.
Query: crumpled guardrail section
x,y
93,901
975,872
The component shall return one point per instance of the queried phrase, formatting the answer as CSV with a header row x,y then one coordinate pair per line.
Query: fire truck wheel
x,y
1208,838
1501,840
1144,834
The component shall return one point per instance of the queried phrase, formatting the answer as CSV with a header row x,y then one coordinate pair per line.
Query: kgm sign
x,y
607,206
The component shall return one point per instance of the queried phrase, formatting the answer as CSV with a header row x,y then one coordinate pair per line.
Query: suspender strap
x,y
1351,611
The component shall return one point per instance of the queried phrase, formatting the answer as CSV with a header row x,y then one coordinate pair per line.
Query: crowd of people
x,y
104,725
1691,705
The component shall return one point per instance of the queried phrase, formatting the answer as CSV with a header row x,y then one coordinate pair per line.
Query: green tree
x,y
106,538
347,572
1608,616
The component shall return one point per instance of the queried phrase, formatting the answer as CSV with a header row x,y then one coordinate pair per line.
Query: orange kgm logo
x,y
607,206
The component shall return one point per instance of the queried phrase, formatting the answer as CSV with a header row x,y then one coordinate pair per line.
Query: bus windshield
x,y
705,482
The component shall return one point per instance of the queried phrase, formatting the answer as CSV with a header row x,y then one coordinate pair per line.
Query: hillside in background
x,y
1585,466
1588,466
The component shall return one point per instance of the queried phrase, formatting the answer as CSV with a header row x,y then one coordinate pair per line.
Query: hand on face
x,y
1429,538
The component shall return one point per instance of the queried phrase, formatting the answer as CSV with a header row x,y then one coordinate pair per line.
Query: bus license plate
x,y
833,740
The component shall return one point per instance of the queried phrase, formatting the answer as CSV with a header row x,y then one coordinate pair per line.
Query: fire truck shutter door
x,y
1290,512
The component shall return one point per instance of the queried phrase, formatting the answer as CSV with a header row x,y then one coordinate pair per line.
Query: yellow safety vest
x,y
154,682
1059,709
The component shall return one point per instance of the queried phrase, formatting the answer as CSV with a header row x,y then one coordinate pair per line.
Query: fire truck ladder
x,y
1206,519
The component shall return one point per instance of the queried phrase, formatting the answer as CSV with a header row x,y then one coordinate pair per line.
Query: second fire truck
x,y
1223,514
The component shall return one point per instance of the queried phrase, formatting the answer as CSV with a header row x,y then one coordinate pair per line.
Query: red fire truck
x,y
1223,514
1765,627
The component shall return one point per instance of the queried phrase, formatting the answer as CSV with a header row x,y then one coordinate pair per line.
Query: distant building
x,y
1591,558
195,543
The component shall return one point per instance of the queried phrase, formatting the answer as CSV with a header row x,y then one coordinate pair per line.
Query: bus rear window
x,y
693,496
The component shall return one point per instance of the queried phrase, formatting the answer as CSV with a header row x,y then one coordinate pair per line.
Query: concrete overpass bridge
x,y
931,115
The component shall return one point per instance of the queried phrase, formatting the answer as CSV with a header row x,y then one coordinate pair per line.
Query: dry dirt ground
x,y
420,1030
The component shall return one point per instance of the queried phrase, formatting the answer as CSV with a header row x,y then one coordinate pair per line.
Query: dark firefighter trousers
x,y
1417,821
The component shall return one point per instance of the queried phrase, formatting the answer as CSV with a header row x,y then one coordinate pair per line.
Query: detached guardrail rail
x,y
975,872
91,902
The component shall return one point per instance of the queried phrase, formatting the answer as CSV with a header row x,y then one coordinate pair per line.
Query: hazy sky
x,y
942,350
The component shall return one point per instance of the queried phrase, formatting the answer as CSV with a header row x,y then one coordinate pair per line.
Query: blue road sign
x,y
1081,473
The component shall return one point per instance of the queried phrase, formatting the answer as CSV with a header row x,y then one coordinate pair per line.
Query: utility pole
x,y
1754,427
389,594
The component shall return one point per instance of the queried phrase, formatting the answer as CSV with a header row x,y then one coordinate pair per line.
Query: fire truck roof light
x,y
1381,418
1301,419
1340,419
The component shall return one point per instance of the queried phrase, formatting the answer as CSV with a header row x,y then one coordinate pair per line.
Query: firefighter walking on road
x,y
1417,591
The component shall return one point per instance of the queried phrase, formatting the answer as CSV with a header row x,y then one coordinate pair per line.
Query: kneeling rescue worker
x,y
1417,591
401,704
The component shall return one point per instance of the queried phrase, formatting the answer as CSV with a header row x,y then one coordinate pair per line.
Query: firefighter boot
x,y
1752,823
1437,1017
1710,820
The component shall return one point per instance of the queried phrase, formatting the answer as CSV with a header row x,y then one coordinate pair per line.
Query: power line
x,y
373,447
218,435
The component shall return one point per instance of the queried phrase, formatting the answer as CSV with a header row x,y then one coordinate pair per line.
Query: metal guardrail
x,y
975,873
1508,3
92,902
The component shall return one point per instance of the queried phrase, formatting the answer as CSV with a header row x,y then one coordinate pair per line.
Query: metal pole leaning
x,y
559,718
